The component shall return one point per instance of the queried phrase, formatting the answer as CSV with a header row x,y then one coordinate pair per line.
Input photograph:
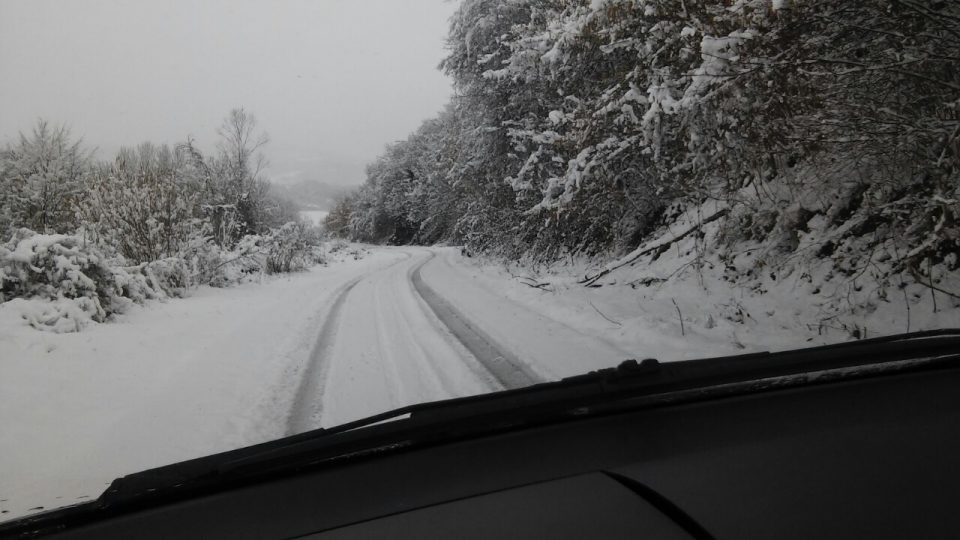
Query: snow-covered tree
x,y
240,164
40,180
576,125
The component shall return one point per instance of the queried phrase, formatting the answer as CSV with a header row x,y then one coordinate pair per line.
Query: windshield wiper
x,y
631,385
652,375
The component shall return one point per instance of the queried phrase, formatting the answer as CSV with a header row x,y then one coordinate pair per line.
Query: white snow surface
x,y
221,369
163,383
390,350
227,368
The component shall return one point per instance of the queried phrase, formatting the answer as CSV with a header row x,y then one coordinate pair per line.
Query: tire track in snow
x,y
305,413
308,401
442,377
506,368
553,347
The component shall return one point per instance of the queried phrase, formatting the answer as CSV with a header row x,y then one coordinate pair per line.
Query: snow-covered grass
x,y
164,382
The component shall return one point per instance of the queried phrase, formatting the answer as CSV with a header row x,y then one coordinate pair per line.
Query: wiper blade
x,y
632,384
652,374
627,370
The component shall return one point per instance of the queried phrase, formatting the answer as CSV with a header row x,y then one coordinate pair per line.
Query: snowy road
x,y
421,330
383,347
227,368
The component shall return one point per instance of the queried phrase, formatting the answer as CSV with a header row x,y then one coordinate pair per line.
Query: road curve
x,y
383,347
421,330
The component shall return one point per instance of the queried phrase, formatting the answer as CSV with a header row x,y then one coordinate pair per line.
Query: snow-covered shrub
x,y
61,315
172,275
291,248
200,254
144,203
338,245
61,268
71,281
49,266
233,266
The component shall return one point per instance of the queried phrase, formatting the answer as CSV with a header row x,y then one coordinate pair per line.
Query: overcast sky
x,y
330,81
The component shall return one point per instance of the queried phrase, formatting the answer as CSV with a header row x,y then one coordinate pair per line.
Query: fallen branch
x,y
544,286
646,250
645,281
919,279
541,286
604,316
906,302
683,331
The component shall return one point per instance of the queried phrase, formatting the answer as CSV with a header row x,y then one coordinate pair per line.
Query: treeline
x,y
580,127
152,221
148,201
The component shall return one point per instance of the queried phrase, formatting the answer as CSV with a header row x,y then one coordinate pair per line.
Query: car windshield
x,y
227,222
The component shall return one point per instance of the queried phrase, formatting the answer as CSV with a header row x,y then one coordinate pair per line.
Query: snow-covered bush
x,y
338,245
61,315
227,267
144,203
49,266
80,281
291,248
172,275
